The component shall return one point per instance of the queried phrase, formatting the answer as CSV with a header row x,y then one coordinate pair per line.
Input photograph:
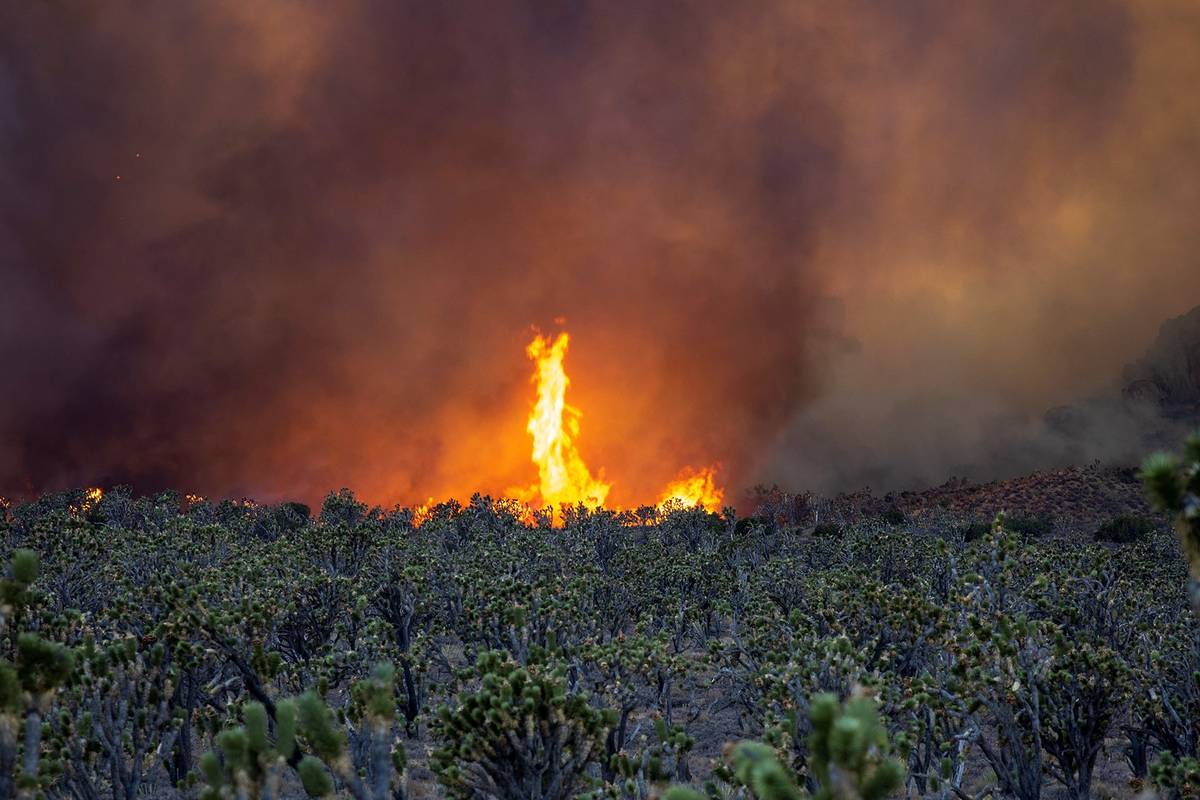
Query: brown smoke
x,y
819,242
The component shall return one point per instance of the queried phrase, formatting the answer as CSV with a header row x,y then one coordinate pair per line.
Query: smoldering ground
x,y
272,249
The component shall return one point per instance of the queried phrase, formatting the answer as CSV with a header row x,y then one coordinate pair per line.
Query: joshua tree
x,y
850,758
522,736
364,754
32,670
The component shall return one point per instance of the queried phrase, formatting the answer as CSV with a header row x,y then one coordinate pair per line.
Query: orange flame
x,y
91,497
693,488
422,513
563,477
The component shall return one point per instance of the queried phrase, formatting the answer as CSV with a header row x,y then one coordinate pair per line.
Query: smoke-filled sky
x,y
278,247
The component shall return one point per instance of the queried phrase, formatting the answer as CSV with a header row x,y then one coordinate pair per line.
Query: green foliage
x,y
342,508
291,517
1173,485
1176,779
252,765
644,774
247,763
314,777
324,736
587,658
850,753
24,567
755,766
42,666
33,670
93,730
521,734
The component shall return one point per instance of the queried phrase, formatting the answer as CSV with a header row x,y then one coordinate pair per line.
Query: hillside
x,y
1072,496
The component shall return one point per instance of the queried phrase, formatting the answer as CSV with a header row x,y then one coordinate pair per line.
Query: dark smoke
x,y
803,239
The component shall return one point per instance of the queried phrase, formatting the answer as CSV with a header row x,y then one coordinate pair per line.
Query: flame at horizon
x,y
563,477
693,488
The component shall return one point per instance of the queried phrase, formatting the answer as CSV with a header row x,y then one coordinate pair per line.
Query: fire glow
x,y
564,479
563,476
91,498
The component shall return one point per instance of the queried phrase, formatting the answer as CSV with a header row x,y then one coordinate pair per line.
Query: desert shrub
x,y
893,516
828,530
850,750
1029,527
1124,529
634,676
974,531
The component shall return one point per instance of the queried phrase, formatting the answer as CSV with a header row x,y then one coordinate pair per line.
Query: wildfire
x,y
91,498
422,513
563,476
693,488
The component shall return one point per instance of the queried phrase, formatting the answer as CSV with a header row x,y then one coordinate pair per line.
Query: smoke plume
x,y
275,248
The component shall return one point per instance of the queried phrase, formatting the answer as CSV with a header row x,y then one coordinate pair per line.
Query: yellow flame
x,y
563,477
421,513
693,488
91,497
